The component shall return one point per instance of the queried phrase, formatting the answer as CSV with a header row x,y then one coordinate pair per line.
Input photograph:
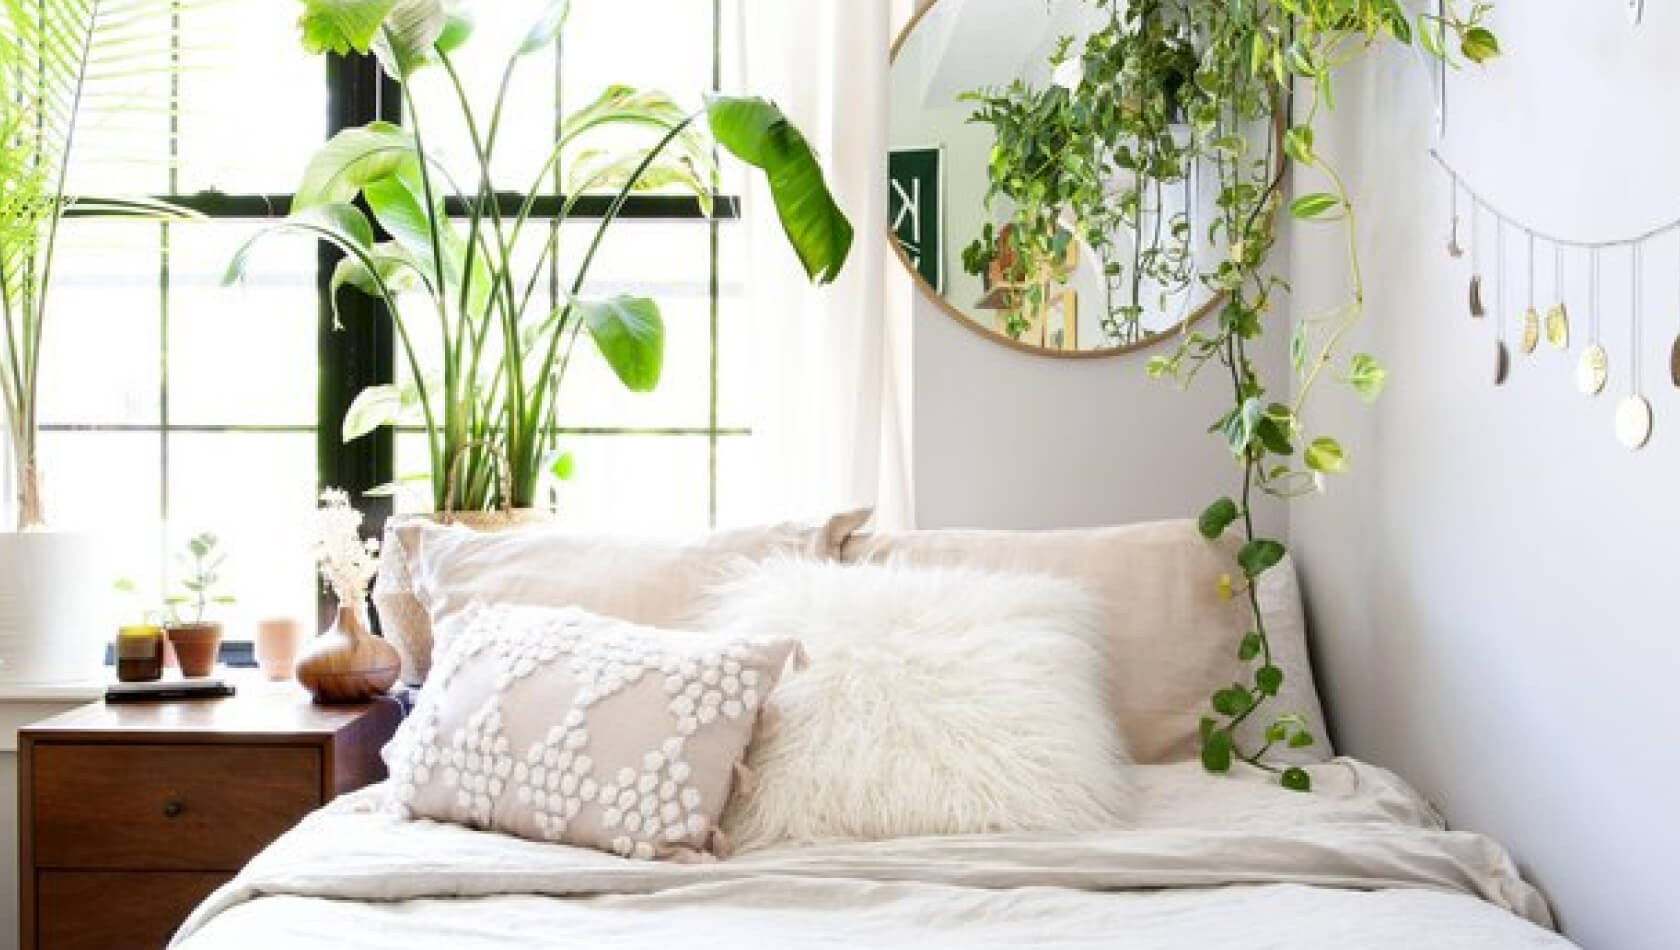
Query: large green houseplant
x,y
495,398
61,63
1164,84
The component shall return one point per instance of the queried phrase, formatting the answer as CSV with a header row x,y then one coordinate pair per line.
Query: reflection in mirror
x,y
1010,198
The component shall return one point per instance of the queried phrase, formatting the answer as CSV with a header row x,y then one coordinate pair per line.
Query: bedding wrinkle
x,y
1210,862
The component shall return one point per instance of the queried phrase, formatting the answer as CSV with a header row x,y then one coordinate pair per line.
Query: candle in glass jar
x,y
139,653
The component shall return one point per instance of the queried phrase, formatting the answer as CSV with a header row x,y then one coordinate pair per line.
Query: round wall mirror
x,y
1012,216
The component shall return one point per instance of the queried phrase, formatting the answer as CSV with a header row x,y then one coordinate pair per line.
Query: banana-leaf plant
x,y
60,63
504,351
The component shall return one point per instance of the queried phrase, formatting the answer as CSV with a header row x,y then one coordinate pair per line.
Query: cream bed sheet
x,y
1210,862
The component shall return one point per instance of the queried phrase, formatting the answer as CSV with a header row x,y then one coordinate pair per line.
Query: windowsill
x,y
84,692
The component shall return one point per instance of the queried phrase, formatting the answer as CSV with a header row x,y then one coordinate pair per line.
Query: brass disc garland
x,y
1551,322
1593,369
1633,416
1477,308
1531,315
1501,353
1557,315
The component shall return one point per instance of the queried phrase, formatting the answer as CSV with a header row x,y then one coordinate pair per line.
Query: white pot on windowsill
x,y
53,593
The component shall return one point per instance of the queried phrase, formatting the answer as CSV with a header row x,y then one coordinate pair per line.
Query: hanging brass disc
x,y
1633,422
1477,309
1557,326
1531,330
1501,363
1593,371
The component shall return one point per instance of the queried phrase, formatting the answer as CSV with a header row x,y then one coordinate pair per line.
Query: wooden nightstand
x,y
131,814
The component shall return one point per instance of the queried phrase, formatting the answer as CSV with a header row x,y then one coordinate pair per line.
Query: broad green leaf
x,y
1277,732
1216,518
1428,36
1259,556
1233,700
393,266
1298,144
1366,376
407,40
1396,22
1216,752
1205,730
350,161
561,465
1239,427
342,26
1250,646
373,407
1478,44
600,170
458,27
630,333
547,27
1296,780
756,132
1298,346
1313,205
1274,435
1268,680
1325,455
1301,739
341,225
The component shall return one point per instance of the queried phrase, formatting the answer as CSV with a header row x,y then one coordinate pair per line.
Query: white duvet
x,y
1362,862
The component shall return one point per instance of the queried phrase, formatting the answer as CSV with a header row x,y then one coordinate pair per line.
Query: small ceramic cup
x,y
277,646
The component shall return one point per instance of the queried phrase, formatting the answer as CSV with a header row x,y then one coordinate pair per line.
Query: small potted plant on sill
x,y
197,641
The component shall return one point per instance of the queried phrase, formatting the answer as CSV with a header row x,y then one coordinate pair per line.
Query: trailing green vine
x,y
1167,85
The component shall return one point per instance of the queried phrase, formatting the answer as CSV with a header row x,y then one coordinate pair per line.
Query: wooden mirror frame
x,y
951,310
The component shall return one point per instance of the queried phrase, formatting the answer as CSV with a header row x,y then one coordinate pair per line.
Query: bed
x,y
1199,861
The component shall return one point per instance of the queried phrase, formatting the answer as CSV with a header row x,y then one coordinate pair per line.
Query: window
x,y
174,405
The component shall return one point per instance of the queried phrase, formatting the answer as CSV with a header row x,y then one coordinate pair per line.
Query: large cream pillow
x,y
429,573
1171,640
561,725
936,701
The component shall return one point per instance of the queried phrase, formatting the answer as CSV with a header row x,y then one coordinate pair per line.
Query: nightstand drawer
x,y
203,807
151,906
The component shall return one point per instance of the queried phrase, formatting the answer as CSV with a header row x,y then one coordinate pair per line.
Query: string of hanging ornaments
x,y
1551,325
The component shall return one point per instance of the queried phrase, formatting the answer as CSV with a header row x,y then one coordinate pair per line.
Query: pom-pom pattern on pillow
x,y
561,725
936,701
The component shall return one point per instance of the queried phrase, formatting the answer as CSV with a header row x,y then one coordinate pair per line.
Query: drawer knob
x,y
173,808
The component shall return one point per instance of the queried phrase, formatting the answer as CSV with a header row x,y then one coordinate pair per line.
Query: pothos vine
x,y
1167,85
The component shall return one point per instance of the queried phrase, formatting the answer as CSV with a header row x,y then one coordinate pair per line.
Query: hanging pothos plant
x,y
1170,85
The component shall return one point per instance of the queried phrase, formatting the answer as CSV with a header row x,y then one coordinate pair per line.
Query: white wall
x,y
1492,589
1006,439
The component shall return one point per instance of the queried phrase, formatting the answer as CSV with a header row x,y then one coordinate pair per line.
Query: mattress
x,y
1208,862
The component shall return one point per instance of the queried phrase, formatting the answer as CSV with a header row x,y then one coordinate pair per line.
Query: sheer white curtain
x,y
832,428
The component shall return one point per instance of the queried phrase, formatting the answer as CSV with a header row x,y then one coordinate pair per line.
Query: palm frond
x,y
56,58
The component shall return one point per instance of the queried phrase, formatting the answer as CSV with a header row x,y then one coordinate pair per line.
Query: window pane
x,y
105,289
739,497
636,484
253,106
256,493
672,40
526,132
242,355
106,482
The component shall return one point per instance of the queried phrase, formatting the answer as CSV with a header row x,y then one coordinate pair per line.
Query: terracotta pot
x,y
196,645
277,646
347,664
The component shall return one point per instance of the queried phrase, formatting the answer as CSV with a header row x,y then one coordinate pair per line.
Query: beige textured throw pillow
x,y
1171,641
561,725
936,701
429,573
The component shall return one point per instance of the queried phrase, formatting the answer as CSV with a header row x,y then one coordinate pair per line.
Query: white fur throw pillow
x,y
936,701
561,725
